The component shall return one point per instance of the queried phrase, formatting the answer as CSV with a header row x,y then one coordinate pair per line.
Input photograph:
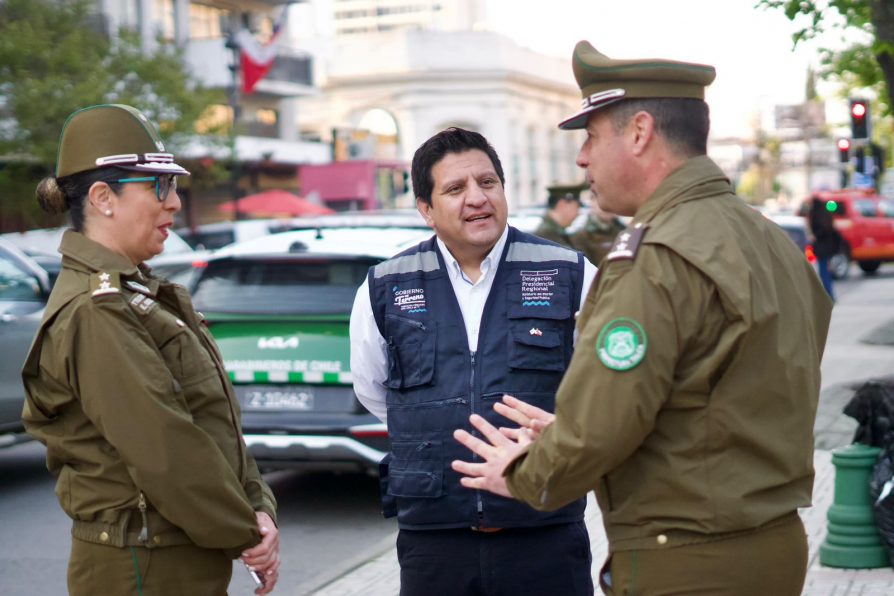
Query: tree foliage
x,y
860,65
56,57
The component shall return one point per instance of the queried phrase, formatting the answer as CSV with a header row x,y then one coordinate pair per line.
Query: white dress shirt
x,y
369,357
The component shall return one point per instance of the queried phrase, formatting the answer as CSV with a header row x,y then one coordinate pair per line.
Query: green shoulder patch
x,y
627,243
621,344
102,283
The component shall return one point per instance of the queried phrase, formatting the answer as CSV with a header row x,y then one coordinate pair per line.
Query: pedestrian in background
x,y
127,390
826,240
596,236
563,206
443,330
689,403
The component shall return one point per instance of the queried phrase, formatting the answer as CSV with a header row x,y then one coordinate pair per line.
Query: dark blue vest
x,y
434,383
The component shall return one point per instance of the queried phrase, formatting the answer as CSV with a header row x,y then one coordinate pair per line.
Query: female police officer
x,y
127,390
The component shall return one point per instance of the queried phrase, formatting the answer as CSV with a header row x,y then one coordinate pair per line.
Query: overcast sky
x,y
751,48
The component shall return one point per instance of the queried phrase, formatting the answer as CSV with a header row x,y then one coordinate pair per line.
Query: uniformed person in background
x,y
689,403
127,390
563,205
596,237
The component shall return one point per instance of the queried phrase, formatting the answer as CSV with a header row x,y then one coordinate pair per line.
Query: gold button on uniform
x,y
104,537
662,539
156,539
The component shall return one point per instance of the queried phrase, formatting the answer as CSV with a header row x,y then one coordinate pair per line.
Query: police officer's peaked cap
x,y
112,135
566,191
604,81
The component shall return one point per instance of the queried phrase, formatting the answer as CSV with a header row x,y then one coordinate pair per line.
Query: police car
x,y
279,309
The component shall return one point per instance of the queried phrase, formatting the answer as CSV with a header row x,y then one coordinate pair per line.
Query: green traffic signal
x,y
831,206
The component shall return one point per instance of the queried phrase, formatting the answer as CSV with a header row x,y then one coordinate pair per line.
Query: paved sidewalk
x,y
380,575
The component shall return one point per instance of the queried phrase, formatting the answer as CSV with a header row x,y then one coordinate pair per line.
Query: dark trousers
x,y
544,561
770,561
826,276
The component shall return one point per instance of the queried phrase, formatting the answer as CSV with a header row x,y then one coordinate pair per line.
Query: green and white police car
x,y
279,308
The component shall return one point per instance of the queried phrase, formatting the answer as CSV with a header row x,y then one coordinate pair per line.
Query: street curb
x,y
330,576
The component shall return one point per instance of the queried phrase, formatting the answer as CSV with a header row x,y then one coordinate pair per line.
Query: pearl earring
x,y
109,212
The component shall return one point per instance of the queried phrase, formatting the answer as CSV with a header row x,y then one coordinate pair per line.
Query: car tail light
x,y
811,256
199,264
369,430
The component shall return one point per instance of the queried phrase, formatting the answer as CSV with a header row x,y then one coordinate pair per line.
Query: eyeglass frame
x,y
161,198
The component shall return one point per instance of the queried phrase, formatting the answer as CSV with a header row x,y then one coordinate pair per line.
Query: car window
x,y
211,240
798,235
16,283
866,208
280,286
887,208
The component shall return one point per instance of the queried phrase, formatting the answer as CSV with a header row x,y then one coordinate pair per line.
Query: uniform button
x,y
156,539
662,539
104,537
180,323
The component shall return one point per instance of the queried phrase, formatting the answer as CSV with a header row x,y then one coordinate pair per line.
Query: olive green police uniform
x,y
688,405
550,230
127,390
596,237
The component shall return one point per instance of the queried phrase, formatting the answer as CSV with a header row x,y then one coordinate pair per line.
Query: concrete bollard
x,y
853,541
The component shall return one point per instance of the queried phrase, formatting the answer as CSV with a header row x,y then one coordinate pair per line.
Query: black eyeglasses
x,y
163,184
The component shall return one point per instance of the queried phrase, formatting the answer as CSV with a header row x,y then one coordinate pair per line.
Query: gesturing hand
x,y
531,419
496,452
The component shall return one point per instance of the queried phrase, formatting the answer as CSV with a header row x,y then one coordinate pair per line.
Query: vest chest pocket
x,y
535,346
411,352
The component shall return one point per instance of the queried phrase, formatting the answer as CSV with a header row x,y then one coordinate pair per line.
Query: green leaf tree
x,y
860,65
56,57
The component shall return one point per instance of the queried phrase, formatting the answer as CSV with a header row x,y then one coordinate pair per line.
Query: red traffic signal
x,y
859,119
844,150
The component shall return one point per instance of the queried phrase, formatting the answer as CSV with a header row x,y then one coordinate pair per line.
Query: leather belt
x,y
485,529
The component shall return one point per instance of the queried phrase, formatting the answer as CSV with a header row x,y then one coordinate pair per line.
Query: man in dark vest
x,y
443,330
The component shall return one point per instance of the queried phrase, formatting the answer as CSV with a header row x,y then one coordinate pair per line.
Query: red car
x,y
866,222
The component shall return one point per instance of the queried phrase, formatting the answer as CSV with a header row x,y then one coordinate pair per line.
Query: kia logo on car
x,y
277,343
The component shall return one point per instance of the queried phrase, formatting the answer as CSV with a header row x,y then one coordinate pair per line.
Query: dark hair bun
x,y
50,196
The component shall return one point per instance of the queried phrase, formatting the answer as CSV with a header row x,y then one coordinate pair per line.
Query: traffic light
x,y
844,150
859,119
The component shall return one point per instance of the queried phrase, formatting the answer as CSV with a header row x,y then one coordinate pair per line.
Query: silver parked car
x,y
24,289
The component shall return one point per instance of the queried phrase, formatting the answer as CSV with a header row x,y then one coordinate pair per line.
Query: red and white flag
x,y
256,59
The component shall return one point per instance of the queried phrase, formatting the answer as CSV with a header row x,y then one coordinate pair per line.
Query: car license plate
x,y
280,399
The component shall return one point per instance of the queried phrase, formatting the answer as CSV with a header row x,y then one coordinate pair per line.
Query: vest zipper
x,y
144,531
478,500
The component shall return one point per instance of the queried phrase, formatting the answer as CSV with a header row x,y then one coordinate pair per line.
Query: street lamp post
x,y
235,108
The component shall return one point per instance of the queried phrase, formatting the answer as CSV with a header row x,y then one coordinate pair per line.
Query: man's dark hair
x,y
451,140
683,122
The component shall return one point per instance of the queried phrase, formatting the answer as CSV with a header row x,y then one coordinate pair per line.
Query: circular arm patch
x,y
621,344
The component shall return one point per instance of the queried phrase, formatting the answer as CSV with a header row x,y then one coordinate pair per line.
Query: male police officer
x,y
689,403
443,330
563,205
596,236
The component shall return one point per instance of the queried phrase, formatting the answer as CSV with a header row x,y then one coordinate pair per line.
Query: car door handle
x,y
8,318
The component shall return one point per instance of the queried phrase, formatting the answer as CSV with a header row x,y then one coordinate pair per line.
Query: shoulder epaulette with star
x,y
103,282
627,243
